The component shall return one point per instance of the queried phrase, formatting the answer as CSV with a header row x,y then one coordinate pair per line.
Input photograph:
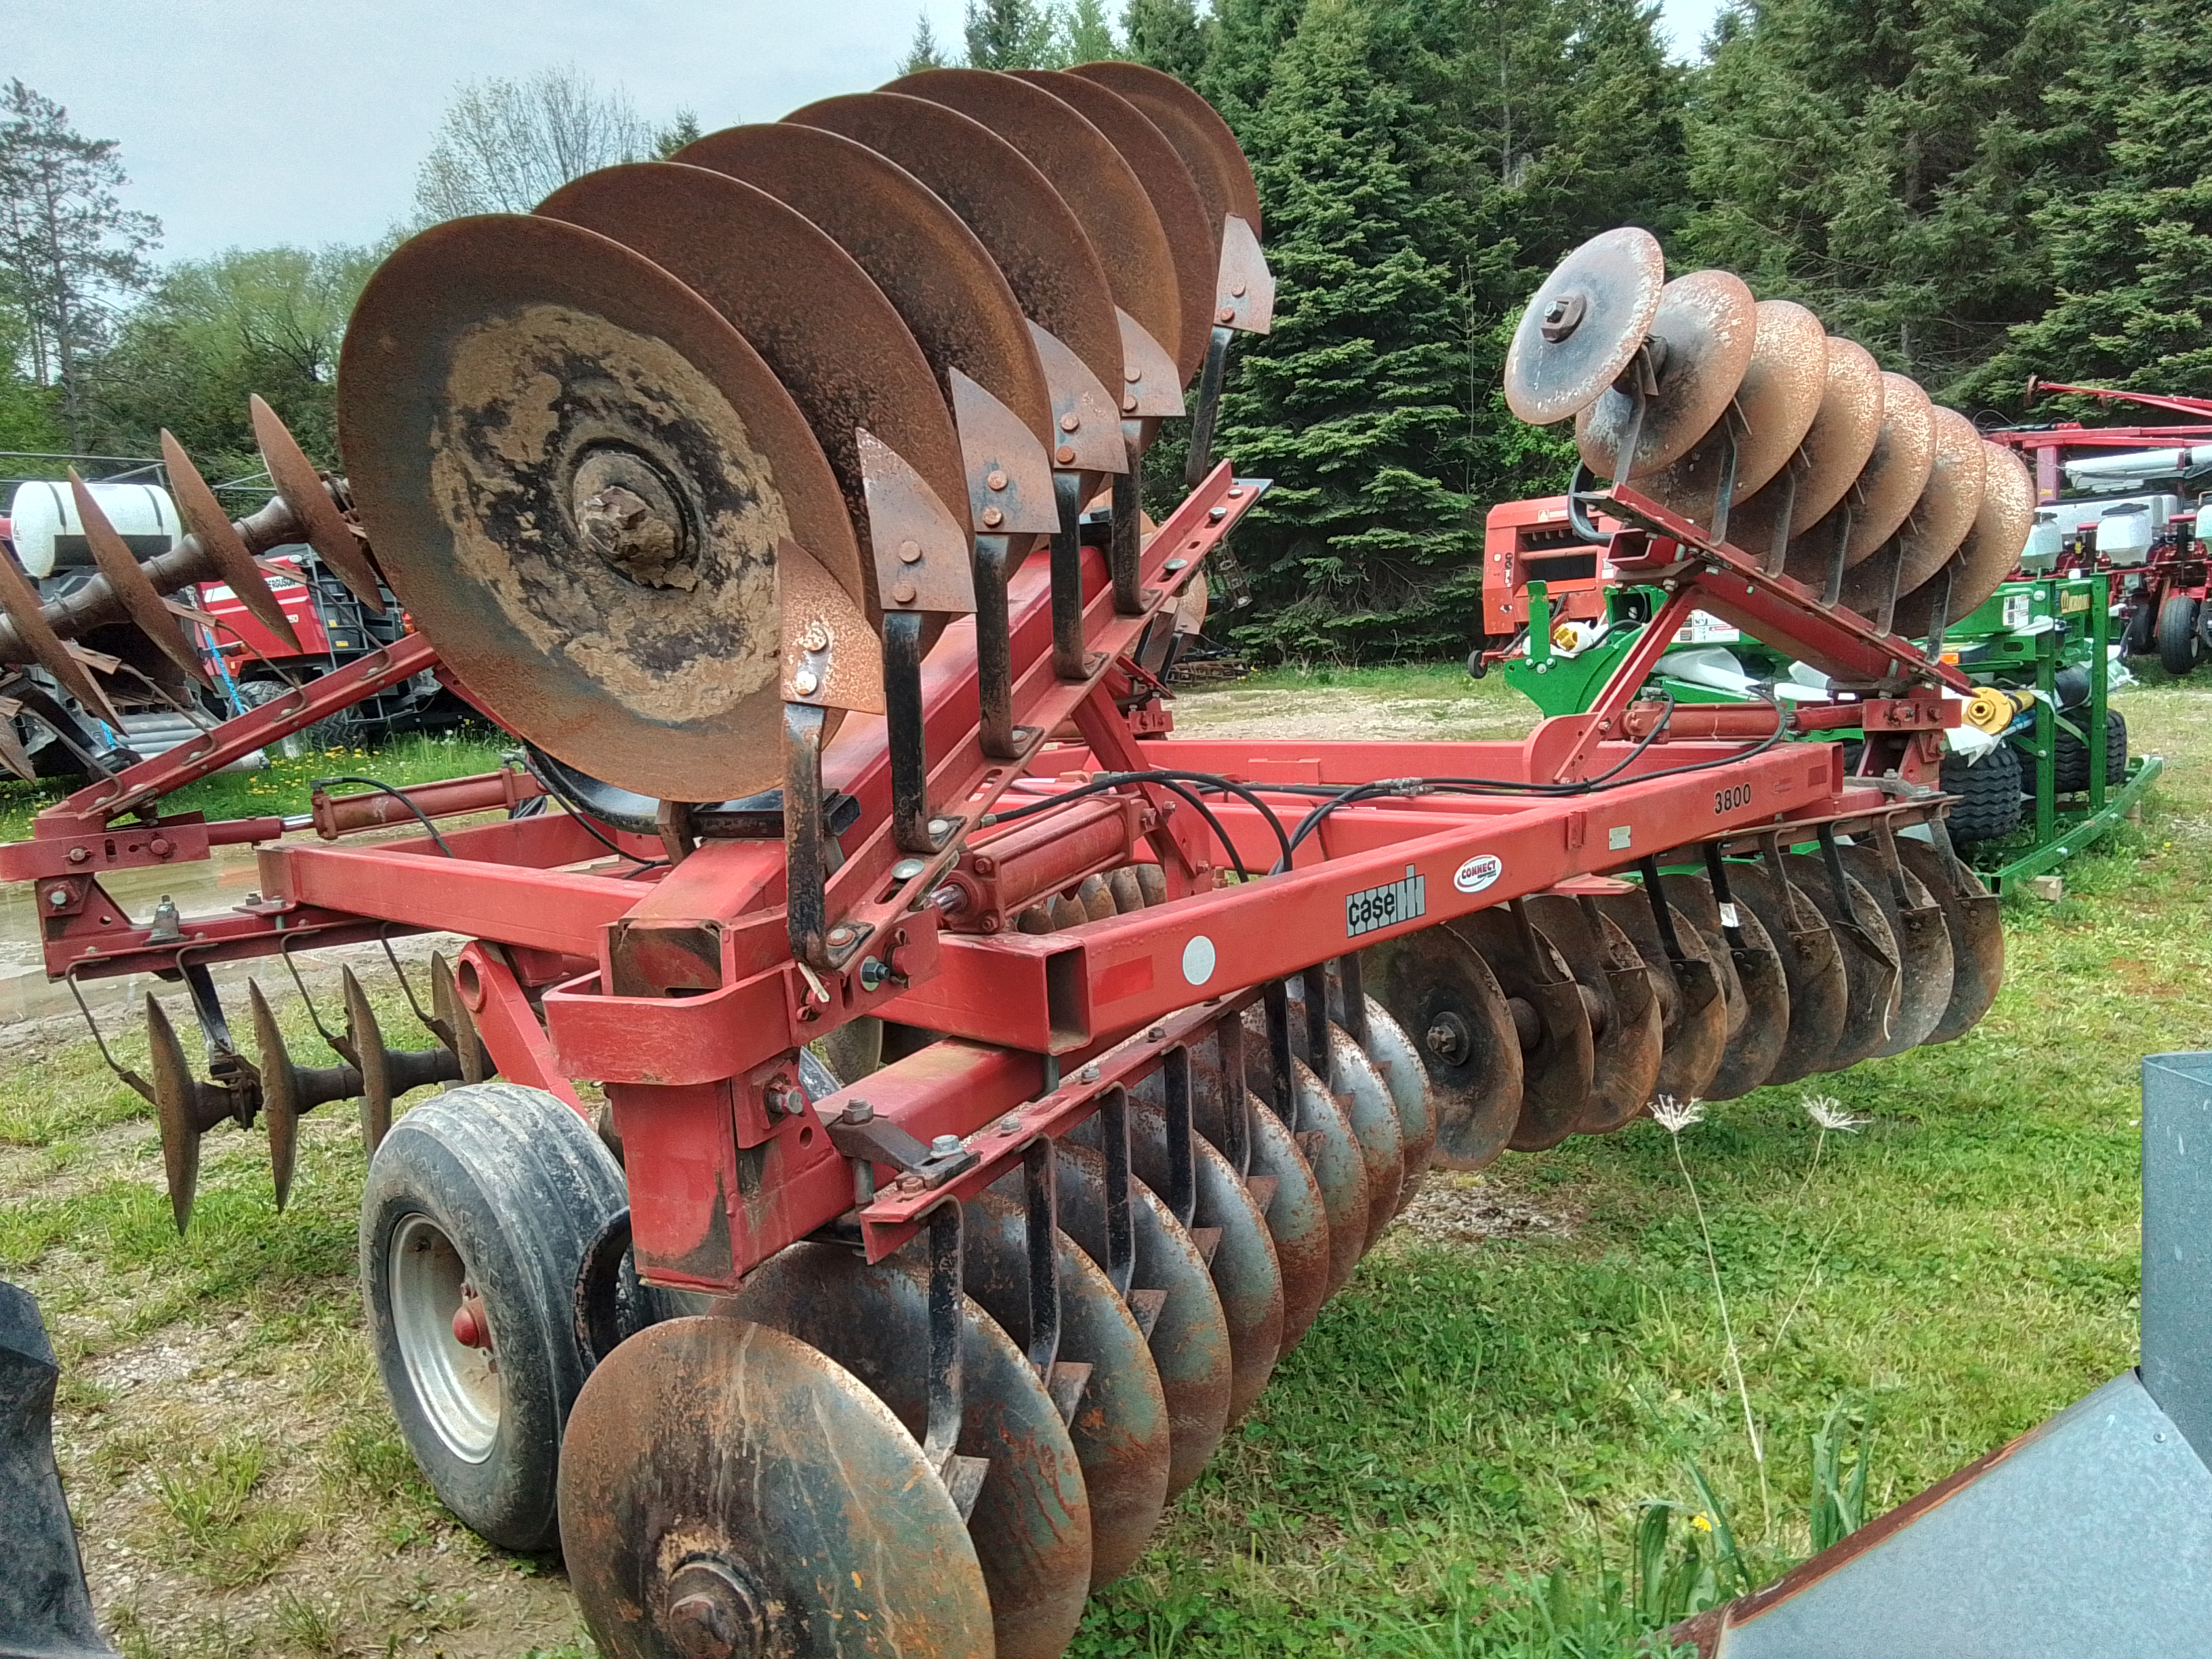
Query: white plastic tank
x,y
2123,533
48,536
2047,540
2204,521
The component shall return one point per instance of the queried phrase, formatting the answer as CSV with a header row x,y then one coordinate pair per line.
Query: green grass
x,y
283,786
1460,1459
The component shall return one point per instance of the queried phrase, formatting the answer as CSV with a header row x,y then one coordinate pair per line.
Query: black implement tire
x,y
2178,649
499,1188
1988,793
2070,758
2138,631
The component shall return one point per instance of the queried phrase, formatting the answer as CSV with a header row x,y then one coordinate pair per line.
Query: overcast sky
x,y
254,121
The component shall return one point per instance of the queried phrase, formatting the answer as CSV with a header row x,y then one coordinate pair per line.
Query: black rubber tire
x,y
2177,649
1989,804
2139,631
2070,758
518,1184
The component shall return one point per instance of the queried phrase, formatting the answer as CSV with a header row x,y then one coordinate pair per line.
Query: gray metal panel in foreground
x,y
2089,1537
2177,1241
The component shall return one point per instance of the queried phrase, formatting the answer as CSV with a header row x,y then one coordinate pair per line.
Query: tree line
x,y
1975,191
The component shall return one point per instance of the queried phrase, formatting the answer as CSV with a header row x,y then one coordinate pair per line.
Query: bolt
x,y
993,518
940,828
804,683
909,552
1156,1033
911,1183
1065,455
907,869
841,934
1235,491
946,1146
1174,565
1088,1074
873,975
1129,404
1070,422
79,855
1011,1124
1132,374
816,637
858,1111
905,593
1226,314
1215,514
1237,289
58,898
994,479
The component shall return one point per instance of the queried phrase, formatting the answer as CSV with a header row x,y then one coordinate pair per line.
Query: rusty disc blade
x,y
132,588
1174,195
1834,452
1991,551
734,1451
1949,502
1558,1052
27,611
1324,1135
1924,941
1245,1275
323,525
220,540
1442,993
1709,324
1812,965
1368,1108
1757,1044
815,318
1107,199
499,374
1031,1522
1297,1215
377,1090
1033,235
1869,954
1198,134
1399,1061
1885,489
1600,302
1623,1013
1774,410
950,291
175,1091
1693,1008
280,1110
1189,1339
1119,1427
1976,921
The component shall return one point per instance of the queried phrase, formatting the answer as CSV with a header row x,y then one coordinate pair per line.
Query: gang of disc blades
x,y
1693,1007
1558,1067
1708,323
499,372
1437,987
1988,556
1834,452
1869,954
1201,137
1624,1012
1819,999
1031,233
1600,302
1924,942
1174,196
816,318
1107,197
929,264
1773,412
1949,502
1392,1051
1887,487
716,1456
1031,1522
1975,920
1757,1042
1297,1217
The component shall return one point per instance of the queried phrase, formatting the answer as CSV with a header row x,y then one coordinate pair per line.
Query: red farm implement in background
x,y
1017,1077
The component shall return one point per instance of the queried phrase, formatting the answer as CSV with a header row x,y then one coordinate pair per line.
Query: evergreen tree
x,y
1168,35
2131,257
683,129
924,53
1085,35
1011,34
1357,404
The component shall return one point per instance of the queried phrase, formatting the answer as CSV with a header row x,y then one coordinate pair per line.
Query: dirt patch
x,y
1471,1209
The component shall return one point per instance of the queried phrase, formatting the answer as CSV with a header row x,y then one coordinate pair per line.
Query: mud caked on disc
x,y
1624,1011
1885,489
719,1475
1819,999
1987,556
1438,988
576,474
1707,323
1834,452
1774,410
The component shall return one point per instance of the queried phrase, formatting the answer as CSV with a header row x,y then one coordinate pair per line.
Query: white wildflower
x,y
1675,1115
1827,1113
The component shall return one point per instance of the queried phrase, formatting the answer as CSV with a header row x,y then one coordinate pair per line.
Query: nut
x,y
994,479
1065,455
859,1111
909,552
946,1146
903,593
804,683
1070,422
993,518
911,1183
1011,1124
815,637
1088,1074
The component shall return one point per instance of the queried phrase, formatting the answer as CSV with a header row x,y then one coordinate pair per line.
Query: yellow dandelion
x,y
1701,1524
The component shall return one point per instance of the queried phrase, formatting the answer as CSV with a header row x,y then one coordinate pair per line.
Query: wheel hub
x,y
1448,1038
713,1613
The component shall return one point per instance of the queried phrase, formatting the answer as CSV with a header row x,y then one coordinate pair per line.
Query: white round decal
x,y
1477,873
1198,960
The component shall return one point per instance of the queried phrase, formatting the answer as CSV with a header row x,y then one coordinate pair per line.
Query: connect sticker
x,y
1386,906
1198,959
1478,872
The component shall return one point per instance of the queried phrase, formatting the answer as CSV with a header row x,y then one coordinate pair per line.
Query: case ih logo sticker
x,y
1477,873
1386,907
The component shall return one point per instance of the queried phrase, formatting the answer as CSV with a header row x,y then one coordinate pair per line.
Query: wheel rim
x,y
457,1385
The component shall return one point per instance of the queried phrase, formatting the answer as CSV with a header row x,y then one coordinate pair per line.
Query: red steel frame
x,y
676,989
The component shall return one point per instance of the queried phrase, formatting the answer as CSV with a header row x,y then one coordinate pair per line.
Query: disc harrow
x,y
1001,1084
